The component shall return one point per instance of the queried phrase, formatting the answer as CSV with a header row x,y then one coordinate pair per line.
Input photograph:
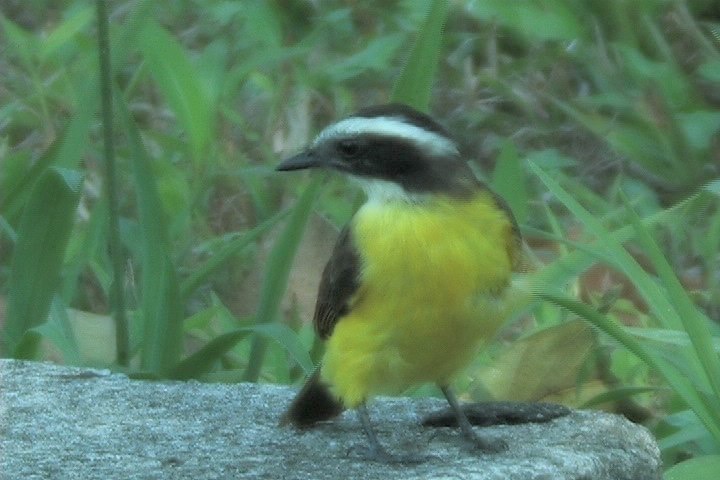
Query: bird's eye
x,y
348,148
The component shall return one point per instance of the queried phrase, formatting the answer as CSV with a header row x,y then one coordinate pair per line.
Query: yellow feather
x,y
431,286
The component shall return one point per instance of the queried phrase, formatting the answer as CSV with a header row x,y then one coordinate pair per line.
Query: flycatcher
x,y
417,280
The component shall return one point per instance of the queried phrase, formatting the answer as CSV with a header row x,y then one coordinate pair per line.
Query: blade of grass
x,y
202,361
117,296
278,269
636,139
414,86
218,260
611,249
568,266
669,337
613,253
695,324
707,410
617,394
160,307
585,255
42,237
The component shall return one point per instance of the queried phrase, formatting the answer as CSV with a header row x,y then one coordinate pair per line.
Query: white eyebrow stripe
x,y
390,127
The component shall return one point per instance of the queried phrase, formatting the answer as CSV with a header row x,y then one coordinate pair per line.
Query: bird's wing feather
x,y
339,282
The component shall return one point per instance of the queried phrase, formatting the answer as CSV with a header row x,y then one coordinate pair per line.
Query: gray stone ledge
x,y
77,423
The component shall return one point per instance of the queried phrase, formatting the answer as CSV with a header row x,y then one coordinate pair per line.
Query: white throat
x,y
384,191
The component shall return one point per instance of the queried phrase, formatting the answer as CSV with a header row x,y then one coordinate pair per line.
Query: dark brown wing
x,y
339,282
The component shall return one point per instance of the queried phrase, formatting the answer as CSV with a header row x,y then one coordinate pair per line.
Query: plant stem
x,y
117,294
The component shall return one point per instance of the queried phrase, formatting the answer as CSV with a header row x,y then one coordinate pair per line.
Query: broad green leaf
x,y
414,86
23,43
27,347
711,71
699,468
688,431
42,237
713,187
673,83
700,128
550,159
66,152
289,340
213,62
59,332
124,43
178,80
508,181
548,20
87,247
375,56
201,320
65,32
262,23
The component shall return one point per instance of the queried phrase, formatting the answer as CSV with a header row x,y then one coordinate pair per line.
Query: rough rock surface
x,y
76,423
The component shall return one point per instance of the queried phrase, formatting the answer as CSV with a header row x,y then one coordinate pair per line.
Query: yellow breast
x,y
432,274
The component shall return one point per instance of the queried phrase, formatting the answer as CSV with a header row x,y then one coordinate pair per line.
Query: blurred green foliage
x,y
597,121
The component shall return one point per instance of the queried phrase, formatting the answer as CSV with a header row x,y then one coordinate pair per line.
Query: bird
x,y
418,278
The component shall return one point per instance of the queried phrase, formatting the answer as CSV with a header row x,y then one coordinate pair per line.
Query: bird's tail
x,y
313,403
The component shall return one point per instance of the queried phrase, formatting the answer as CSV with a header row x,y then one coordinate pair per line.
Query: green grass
x,y
596,121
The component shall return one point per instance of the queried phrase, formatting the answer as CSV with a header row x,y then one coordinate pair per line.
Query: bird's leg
x,y
376,452
476,441
375,448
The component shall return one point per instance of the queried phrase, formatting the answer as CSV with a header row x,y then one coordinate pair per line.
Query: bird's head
x,y
394,151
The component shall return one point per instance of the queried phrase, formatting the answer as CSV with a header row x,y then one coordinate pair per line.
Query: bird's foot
x,y
476,443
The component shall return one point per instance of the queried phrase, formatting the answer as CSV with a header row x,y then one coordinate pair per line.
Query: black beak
x,y
306,159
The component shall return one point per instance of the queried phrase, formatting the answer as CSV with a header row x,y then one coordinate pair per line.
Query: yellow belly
x,y
431,282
